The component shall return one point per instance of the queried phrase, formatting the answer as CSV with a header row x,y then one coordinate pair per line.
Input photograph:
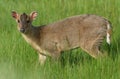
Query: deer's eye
x,y
18,21
28,21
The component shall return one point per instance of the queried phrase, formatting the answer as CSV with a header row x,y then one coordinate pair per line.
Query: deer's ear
x,y
33,15
14,14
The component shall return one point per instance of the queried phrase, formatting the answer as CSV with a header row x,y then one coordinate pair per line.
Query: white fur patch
x,y
108,38
108,35
108,26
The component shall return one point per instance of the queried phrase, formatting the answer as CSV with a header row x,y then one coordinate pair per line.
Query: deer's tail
x,y
109,31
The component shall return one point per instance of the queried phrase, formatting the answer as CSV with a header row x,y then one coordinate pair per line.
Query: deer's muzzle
x,y
22,30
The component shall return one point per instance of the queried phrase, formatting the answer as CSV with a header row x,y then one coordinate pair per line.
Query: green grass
x,y
18,60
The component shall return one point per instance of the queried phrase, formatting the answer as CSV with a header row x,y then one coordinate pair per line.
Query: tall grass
x,y
18,60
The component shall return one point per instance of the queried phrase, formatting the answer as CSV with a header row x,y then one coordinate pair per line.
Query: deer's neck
x,y
32,35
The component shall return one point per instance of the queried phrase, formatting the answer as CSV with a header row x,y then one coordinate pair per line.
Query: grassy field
x,y
18,60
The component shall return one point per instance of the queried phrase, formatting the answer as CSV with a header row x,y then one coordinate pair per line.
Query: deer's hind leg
x,y
95,48
95,52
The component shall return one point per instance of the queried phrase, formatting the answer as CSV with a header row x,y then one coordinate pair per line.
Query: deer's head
x,y
24,21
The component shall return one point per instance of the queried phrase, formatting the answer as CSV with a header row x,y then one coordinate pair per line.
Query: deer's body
x,y
85,31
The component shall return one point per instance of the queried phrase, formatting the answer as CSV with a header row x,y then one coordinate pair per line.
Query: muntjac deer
x,y
84,31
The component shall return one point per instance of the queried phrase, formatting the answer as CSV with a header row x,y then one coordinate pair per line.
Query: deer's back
x,y
73,32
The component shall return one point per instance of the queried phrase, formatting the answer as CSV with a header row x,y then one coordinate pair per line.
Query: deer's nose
x,y
22,30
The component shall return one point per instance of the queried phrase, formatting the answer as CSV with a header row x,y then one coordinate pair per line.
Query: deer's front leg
x,y
42,59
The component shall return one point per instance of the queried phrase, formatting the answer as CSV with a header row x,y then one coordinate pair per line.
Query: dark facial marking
x,y
23,17
18,21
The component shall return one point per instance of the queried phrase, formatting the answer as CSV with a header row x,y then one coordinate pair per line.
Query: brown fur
x,y
85,31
